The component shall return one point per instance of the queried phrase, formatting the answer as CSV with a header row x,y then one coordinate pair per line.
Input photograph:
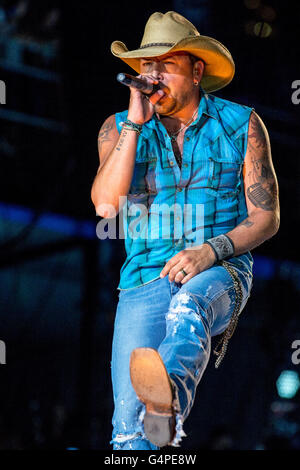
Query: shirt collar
x,y
206,106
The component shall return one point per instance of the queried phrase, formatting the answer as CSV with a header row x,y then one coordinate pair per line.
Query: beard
x,y
169,105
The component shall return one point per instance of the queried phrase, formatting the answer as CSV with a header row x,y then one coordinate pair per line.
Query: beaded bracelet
x,y
132,126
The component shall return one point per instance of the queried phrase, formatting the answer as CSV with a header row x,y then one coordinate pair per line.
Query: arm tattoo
x,y
104,132
257,132
121,140
263,190
248,223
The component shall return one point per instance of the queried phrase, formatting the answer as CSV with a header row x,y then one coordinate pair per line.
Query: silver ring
x,y
183,272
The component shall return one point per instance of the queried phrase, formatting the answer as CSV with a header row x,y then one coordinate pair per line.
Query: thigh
x,y
214,291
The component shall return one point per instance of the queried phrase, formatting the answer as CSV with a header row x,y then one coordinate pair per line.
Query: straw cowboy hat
x,y
171,32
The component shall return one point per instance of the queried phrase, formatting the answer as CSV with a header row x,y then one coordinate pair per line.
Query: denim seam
x,y
216,296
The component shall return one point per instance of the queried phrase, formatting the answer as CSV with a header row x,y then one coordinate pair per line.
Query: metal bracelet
x,y
222,245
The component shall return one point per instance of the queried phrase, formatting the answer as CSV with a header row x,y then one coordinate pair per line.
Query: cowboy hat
x,y
171,32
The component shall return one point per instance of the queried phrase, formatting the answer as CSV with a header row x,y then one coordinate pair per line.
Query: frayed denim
x,y
178,320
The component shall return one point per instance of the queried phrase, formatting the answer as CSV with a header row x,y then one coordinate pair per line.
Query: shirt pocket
x,y
225,168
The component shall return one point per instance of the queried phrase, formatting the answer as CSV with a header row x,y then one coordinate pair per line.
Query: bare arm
x,y
117,154
261,191
114,175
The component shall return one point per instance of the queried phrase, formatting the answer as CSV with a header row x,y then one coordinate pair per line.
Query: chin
x,y
164,109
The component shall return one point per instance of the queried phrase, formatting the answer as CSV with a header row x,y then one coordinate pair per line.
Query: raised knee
x,y
178,305
186,303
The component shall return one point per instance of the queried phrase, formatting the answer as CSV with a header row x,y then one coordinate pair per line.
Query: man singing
x,y
199,170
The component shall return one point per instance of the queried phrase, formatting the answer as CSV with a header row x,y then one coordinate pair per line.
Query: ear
x,y
198,69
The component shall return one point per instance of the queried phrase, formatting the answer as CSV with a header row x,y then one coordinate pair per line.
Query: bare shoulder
x,y
107,137
261,187
258,137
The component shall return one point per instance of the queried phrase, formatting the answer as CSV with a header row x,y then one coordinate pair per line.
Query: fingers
x,y
156,96
151,78
177,275
169,265
186,278
174,267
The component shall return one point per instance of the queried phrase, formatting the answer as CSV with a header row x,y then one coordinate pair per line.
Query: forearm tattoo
x,y
247,223
263,190
121,140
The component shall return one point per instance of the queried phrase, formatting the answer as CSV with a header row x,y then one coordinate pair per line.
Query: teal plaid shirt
x,y
167,208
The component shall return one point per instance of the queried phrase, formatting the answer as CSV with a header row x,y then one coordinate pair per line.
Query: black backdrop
x,y
58,292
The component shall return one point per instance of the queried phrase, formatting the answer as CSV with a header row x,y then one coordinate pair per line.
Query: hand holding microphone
x,y
138,83
141,109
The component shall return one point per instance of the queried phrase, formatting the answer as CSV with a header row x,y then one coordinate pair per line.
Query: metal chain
x,y
175,134
227,334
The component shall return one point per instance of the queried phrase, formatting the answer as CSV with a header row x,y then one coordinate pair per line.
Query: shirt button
x,y
177,218
179,189
171,162
187,138
185,165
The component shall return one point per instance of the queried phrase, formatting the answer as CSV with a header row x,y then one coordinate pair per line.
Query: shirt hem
x,y
140,285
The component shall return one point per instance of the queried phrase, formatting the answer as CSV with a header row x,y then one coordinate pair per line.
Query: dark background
x,y
58,280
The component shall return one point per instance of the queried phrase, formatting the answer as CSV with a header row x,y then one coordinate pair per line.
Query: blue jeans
x,y
178,320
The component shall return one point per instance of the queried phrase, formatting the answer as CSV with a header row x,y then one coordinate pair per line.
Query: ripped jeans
x,y
178,320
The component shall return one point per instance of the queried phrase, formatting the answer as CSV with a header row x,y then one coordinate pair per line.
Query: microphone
x,y
138,83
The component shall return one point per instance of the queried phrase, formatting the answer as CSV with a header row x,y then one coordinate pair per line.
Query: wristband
x,y
132,125
222,245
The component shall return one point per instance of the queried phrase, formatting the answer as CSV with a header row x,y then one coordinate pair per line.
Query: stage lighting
x,y
288,384
262,29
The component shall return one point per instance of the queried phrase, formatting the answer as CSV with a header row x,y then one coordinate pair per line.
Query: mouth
x,y
162,98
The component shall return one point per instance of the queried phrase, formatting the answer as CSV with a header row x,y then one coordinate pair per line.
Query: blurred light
x,y
288,384
262,29
267,13
282,407
55,222
252,4
264,268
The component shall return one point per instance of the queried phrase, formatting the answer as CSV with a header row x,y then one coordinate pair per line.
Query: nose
x,y
157,70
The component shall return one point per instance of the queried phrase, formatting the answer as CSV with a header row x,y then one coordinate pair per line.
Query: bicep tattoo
x,y
262,190
104,133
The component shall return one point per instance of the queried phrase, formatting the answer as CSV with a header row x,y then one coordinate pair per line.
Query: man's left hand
x,y
191,260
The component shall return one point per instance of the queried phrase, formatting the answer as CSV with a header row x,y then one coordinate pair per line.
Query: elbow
x,y
275,223
103,209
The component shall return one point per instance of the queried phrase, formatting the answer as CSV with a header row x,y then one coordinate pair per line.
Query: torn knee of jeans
x,y
183,303
123,437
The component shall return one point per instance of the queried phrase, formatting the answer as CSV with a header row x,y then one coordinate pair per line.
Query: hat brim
x,y
219,66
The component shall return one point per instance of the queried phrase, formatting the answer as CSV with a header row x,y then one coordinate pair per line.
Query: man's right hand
x,y
141,106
